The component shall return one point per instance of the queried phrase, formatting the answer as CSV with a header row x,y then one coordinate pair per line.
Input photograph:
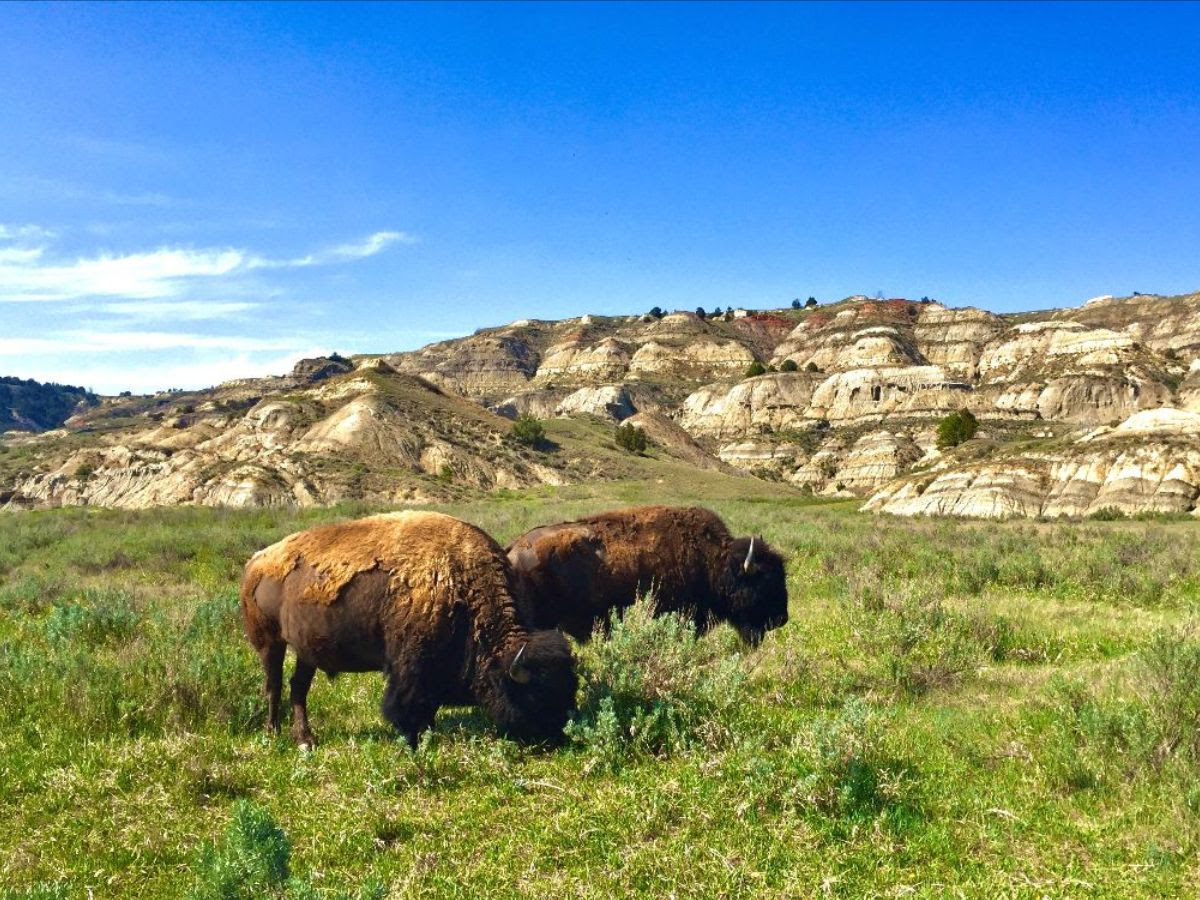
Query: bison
x,y
575,573
423,597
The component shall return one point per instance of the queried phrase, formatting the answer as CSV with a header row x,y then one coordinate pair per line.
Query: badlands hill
x,y
1081,410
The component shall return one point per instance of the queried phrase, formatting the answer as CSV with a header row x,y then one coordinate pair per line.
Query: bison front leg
x,y
402,706
271,657
301,681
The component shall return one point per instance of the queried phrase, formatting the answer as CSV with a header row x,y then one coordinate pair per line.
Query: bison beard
x,y
424,598
574,574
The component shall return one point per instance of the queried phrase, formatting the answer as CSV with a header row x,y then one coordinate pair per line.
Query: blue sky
x,y
192,192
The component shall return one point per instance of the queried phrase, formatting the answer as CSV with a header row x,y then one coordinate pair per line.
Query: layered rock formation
x,y
1082,409
1148,463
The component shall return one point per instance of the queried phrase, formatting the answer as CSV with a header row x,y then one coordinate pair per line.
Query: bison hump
x,y
414,548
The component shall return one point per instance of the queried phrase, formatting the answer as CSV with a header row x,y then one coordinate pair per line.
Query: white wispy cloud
x,y
156,274
188,310
377,242
27,275
25,233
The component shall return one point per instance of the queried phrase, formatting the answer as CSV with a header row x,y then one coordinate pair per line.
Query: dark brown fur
x,y
423,597
575,573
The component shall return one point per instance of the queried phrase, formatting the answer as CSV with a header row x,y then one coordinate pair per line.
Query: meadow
x,y
954,708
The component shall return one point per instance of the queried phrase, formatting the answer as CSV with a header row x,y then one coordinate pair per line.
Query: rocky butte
x,y
1081,410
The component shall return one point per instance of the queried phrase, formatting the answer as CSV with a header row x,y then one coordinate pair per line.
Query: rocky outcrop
x,y
876,394
1149,463
754,406
539,404
575,362
610,401
483,366
857,336
954,338
695,360
321,367
1039,347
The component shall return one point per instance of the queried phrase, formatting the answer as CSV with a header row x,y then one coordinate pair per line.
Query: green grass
x,y
992,709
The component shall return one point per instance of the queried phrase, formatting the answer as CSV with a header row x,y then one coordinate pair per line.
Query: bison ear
x,y
516,671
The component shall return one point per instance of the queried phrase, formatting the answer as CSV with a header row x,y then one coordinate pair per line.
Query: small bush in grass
x,y
630,437
852,773
652,687
913,642
529,431
102,617
755,369
788,365
1169,685
251,861
254,860
1106,737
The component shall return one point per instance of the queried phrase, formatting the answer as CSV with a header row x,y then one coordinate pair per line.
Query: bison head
x,y
752,592
534,689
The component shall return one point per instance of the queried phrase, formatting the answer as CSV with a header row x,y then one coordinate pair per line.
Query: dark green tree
x,y
956,428
528,431
788,365
755,369
630,437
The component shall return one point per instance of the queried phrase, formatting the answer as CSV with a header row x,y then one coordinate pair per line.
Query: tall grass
x,y
996,709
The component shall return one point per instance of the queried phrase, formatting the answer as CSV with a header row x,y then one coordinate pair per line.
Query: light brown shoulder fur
x,y
411,546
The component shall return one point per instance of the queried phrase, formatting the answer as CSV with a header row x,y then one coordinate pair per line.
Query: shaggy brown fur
x,y
424,597
575,573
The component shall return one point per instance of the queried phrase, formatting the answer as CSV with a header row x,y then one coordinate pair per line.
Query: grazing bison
x,y
423,597
574,573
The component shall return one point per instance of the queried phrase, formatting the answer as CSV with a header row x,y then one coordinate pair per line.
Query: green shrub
x,y
956,428
851,772
251,861
914,643
104,617
652,687
755,369
1098,737
630,437
528,431
788,365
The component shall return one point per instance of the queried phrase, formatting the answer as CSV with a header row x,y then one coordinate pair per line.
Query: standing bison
x,y
573,574
423,597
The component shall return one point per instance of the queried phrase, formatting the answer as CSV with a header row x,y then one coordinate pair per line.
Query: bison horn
x,y
515,671
749,563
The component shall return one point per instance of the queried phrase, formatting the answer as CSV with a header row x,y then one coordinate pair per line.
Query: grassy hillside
x,y
994,709
29,405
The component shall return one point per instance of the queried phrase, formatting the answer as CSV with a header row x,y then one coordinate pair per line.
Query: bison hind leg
x,y
302,679
271,656
410,716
